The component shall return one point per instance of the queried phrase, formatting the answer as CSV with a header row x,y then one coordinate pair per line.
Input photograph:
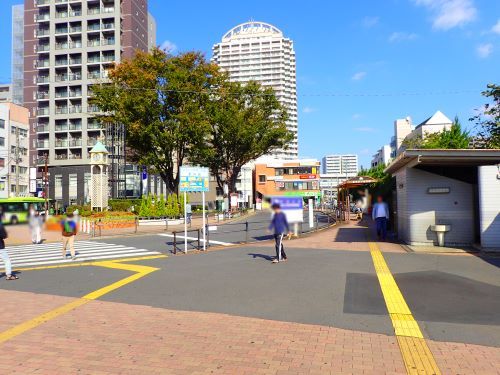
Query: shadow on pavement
x,y
262,256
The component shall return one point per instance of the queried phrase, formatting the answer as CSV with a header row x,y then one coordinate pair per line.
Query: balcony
x,y
62,45
108,26
93,108
42,144
61,128
94,27
61,62
42,95
92,60
42,17
93,43
75,44
108,42
61,30
94,75
61,157
42,47
61,78
42,79
61,94
75,13
61,143
42,112
108,58
91,142
75,109
74,94
75,61
75,76
61,110
42,64
75,143
73,126
94,126
75,29
93,10
42,32
42,2
42,128
75,156
61,14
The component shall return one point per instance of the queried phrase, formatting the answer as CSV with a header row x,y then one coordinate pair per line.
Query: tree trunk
x,y
231,180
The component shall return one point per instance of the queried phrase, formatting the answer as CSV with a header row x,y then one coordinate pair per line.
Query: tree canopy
x,y
161,101
246,121
454,138
182,109
489,118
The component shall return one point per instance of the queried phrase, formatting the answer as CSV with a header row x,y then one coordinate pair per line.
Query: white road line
x,y
42,254
196,238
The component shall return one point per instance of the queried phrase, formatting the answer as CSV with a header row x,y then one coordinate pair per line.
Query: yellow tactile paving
x,y
416,354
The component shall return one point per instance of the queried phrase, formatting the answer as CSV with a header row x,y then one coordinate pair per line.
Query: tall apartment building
x,y
69,45
259,51
18,54
340,165
14,161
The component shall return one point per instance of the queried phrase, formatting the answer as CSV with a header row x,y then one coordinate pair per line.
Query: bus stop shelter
x,y
343,190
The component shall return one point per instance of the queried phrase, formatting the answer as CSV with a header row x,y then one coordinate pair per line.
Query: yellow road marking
x,y
417,356
140,271
92,263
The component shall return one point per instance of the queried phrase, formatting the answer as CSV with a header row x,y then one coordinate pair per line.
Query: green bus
x,y
15,210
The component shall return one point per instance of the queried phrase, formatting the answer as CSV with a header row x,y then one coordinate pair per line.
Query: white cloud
x,y
484,50
496,27
358,76
365,129
309,110
364,151
402,36
356,116
168,46
369,22
448,14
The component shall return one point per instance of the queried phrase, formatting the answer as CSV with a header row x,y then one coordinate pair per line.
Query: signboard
x,y
194,179
32,186
305,193
292,207
32,173
308,176
234,200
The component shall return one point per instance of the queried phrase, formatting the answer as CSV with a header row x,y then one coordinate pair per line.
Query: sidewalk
x,y
350,236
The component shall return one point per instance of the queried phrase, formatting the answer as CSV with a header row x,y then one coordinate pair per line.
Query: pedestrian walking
x,y
35,224
380,214
69,228
279,226
4,255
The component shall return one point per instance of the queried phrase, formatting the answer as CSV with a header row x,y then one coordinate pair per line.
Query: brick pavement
x,y
351,236
115,338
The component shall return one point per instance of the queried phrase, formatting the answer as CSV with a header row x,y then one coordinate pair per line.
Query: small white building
x,y
14,144
456,188
382,157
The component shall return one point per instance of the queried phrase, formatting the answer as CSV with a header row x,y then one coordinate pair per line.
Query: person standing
x,y
4,255
380,214
279,225
69,232
35,223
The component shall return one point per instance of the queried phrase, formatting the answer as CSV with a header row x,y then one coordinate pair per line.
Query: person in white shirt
x,y
380,214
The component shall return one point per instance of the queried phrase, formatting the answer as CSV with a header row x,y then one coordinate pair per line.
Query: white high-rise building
x,y
258,51
340,165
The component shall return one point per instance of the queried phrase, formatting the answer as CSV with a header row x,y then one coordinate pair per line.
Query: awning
x,y
358,181
444,157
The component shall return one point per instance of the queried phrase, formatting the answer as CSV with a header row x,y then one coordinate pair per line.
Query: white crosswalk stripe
x,y
51,253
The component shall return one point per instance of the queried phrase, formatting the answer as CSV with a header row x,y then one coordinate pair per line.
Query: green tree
x,y
175,205
145,209
489,118
161,100
246,121
160,206
385,183
169,209
454,138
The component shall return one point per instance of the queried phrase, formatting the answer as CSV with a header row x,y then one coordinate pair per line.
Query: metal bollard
x,y
246,231
136,223
199,248
175,242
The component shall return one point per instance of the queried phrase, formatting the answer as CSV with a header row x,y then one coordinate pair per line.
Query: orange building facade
x,y
287,178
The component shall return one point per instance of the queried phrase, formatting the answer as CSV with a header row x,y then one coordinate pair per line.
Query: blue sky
x,y
357,48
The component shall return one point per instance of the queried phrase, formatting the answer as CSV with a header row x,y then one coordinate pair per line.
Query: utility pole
x,y
46,184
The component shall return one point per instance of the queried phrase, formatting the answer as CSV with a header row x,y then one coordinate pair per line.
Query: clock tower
x,y
99,190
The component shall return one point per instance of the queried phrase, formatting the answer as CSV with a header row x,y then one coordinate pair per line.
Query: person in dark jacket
x,y
4,255
279,226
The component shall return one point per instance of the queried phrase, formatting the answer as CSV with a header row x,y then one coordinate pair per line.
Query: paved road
x,y
454,298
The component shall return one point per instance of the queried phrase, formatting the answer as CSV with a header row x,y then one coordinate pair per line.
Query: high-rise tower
x,y
69,45
258,51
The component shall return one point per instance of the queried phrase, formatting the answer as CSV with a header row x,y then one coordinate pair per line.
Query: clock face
x,y
96,157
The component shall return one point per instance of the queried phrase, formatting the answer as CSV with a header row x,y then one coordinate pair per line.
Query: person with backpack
x,y
69,227
279,224
4,255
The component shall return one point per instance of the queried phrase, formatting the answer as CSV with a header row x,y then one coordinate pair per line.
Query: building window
x,y
262,178
2,185
13,169
86,188
73,186
2,162
58,187
2,141
2,124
